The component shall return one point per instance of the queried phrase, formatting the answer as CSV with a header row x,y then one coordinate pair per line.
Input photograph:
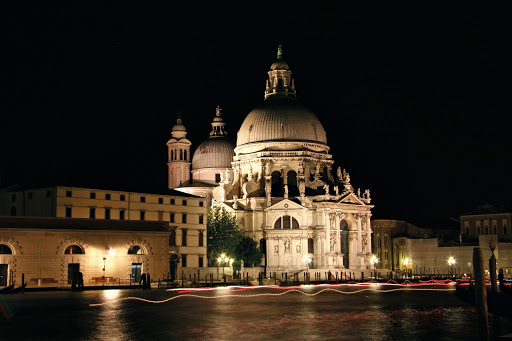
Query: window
x,y
121,215
68,212
142,215
487,230
136,250
107,196
172,217
311,246
92,213
142,199
160,200
377,242
184,203
68,194
183,261
122,197
30,195
160,216
13,211
172,237
201,204
201,262
73,250
201,219
172,202
201,238
494,229
183,237
217,177
48,194
13,197
286,222
184,220
505,229
385,242
5,250
467,231
93,195
107,213
478,230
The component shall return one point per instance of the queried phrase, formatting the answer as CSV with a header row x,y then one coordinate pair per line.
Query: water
x,y
254,314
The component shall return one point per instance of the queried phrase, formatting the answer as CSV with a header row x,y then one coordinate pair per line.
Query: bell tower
x,y
178,155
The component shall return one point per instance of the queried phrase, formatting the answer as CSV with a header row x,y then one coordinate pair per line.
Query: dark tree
x,y
223,234
248,251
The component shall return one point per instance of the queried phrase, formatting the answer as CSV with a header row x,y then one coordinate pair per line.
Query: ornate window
x,y
74,250
286,222
201,238
5,250
136,250
172,237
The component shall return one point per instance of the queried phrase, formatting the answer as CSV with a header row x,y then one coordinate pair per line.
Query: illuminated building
x,y
184,214
49,251
282,191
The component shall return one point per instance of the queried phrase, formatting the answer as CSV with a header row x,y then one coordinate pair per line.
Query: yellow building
x,y
185,214
49,252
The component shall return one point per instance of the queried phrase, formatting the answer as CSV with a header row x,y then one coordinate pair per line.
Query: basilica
x,y
278,180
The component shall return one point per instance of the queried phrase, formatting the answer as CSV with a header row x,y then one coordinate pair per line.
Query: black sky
x,y
415,99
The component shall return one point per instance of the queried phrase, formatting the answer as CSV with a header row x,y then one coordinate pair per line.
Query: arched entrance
x,y
344,243
292,183
277,184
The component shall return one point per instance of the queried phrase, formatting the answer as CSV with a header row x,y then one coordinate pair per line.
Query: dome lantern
x,y
280,81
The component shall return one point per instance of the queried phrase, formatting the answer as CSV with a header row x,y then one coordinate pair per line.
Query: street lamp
x,y
306,260
407,261
451,261
374,260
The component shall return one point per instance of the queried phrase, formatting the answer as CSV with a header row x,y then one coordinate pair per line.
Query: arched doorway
x,y
263,249
277,184
292,183
344,243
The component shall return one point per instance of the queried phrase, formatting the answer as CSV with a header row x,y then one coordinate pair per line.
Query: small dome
x,y
214,153
279,65
281,118
178,127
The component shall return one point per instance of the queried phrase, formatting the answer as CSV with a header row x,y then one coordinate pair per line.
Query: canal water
x,y
338,312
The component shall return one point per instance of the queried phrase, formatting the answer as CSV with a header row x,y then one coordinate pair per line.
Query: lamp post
x,y
451,261
374,260
306,260
492,266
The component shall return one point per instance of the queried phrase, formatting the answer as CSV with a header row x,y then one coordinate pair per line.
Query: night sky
x,y
414,98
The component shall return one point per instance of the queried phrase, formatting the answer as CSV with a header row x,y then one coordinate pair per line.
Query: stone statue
x,y
217,111
287,246
336,190
227,175
359,192
338,172
301,169
249,175
267,168
276,249
286,191
367,194
326,189
235,201
297,248
302,188
221,177
235,176
332,244
268,186
317,168
244,190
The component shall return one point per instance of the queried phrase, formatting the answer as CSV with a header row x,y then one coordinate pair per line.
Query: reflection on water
x,y
111,324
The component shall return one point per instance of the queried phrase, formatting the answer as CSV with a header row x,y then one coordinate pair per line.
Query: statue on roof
x,y
217,111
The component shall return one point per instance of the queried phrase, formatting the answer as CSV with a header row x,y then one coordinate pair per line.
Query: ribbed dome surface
x,y
281,118
214,153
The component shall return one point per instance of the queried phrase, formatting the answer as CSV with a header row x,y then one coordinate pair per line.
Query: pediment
x,y
351,198
285,204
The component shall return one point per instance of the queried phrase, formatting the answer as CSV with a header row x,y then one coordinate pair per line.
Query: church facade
x,y
281,187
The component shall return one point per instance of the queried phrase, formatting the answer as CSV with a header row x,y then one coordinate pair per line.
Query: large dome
x,y
214,153
281,118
